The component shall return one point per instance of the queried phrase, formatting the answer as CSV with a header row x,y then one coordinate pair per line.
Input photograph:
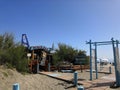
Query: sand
x,y
28,82
9,77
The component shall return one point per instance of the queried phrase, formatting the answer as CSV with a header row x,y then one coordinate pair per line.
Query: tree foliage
x,y
66,53
12,54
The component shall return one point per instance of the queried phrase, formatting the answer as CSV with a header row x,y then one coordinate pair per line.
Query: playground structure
x,y
115,44
40,58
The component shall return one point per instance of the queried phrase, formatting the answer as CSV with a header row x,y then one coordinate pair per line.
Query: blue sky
x,y
67,21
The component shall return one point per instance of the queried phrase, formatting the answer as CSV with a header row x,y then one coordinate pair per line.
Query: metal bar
x,y
108,43
90,60
75,78
96,70
16,86
117,63
114,54
98,42
102,43
37,66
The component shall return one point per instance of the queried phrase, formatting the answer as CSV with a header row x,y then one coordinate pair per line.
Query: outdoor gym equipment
x,y
114,44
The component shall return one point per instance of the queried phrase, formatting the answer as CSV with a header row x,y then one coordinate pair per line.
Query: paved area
x,y
103,83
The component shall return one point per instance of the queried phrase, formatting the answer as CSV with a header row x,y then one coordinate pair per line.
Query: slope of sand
x,y
28,82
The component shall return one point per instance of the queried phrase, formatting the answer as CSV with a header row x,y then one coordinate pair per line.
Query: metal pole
x,y
117,63
90,60
80,88
37,66
16,86
75,78
114,54
96,70
49,66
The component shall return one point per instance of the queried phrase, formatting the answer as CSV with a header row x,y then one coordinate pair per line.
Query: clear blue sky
x,y
67,21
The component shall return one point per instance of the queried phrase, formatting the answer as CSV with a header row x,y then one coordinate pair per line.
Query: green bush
x,y
12,53
18,58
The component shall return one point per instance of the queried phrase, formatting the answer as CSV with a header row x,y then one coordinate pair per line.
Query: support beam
x,y
114,54
117,64
90,60
96,70
103,43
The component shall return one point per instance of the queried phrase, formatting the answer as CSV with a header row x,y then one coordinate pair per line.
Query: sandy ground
x,y
28,82
9,77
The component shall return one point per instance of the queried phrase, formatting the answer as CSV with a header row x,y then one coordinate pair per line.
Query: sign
x,y
80,60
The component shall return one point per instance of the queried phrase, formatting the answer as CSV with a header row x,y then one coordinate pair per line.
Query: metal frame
x,y
24,40
114,44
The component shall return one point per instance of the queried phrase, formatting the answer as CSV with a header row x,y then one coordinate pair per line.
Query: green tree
x,y
64,53
68,53
82,52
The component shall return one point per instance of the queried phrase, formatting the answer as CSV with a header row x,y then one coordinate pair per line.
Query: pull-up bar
x,y
114,44
103,43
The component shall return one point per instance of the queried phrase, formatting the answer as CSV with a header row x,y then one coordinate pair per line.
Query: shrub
x,y
12,53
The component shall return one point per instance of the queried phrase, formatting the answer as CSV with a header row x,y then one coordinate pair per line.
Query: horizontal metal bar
x,y
98,42
103,43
